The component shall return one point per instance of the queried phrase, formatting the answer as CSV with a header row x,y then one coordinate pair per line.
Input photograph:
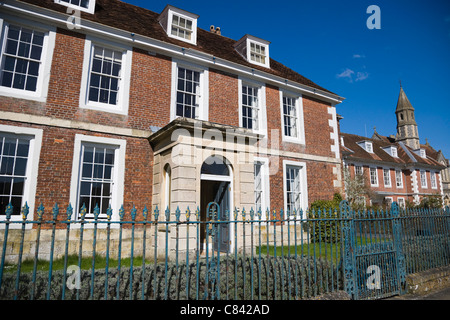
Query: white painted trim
x,y
185,15
204,88
303,183
29,194
261,43
376,177
423,182
300,139
401,178
124,89
24,9
41,92
390,178
89,9
432,173
265,175
334,135
403,204
261,100
119,172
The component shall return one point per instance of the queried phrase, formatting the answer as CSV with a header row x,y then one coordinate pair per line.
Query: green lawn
x,y
329,251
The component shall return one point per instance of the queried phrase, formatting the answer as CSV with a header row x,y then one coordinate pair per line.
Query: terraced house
x,y
103,103
396,167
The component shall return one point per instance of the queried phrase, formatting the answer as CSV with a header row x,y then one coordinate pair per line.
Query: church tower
x,y
407,131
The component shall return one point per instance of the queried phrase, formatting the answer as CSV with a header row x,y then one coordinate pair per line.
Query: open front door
x,y
222,197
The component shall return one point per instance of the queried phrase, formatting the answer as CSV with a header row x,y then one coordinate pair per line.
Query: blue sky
x,y
328,42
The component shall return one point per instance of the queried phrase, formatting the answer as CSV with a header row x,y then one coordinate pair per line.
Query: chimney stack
x,y
215,30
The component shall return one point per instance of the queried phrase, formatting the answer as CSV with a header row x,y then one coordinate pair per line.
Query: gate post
x,y
397,232
348,257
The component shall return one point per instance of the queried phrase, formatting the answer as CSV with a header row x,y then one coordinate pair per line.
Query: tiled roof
x,y
406,156
121,15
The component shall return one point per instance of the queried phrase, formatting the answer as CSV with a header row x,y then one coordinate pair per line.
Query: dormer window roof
x,y
82,5
366,145
179,24
254,50
392,151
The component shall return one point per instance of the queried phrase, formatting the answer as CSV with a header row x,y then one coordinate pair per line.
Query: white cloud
x,y
360,76
358,56
351,75
347,73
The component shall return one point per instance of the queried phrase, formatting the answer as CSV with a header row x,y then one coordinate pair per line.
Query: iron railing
x,y
176,256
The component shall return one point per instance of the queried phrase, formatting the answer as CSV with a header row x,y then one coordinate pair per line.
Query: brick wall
x,y
55,168
149,105
223,98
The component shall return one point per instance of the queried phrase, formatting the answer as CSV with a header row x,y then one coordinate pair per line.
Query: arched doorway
x,y
216,186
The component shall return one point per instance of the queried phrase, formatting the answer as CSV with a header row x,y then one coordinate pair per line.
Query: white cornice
x,y
86,26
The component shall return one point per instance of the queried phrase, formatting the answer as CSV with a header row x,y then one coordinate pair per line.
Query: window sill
x,y
104,108
22,94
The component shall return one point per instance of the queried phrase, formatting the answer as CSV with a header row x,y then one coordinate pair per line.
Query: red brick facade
x,y
149,105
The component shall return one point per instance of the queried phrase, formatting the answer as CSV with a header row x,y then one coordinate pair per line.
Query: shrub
x,y
321,228
273,278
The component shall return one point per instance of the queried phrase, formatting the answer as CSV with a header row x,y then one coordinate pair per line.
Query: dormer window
x,y
179,24
392,151
257,53
82,5
366,145
421,152
254,50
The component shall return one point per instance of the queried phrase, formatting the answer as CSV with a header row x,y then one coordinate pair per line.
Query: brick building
x,y
105,103
396,168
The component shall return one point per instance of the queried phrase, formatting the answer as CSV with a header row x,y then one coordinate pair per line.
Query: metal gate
x,y
374,264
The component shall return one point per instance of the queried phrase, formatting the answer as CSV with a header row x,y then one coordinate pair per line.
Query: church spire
x,y
406,124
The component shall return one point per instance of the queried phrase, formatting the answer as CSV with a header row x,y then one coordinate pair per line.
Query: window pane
x,y
87,170
7,165
5,186
11,46
85,188
17,188
20,167
31,83
19,81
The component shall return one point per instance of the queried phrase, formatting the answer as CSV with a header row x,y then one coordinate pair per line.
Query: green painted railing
x,y
245,255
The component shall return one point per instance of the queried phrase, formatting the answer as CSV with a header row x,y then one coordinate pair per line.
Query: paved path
x,y
442,294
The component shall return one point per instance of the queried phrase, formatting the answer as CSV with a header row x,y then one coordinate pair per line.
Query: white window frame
x,y
356,171
303,184
433,180
388,181
265,186
399,174
124,86
262,119
423,179
394,152
262,43
376,176
402,203
300,139
46,58
89,9
203,108
185,15
391,199
29,193
117,196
